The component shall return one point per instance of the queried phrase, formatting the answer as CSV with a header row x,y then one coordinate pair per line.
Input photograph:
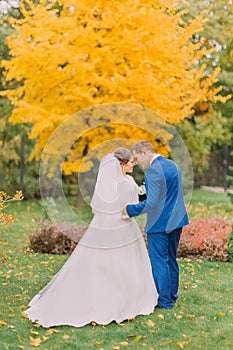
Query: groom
x,y
166,215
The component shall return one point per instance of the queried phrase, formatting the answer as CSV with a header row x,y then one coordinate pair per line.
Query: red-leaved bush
x,y
205,239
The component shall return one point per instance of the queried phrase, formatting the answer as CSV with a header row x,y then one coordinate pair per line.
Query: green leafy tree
x,y
210,126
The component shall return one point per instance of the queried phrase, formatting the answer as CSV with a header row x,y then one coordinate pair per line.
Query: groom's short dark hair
x,y
143,145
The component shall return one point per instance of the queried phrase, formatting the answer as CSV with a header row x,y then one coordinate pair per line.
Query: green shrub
x,y
230,246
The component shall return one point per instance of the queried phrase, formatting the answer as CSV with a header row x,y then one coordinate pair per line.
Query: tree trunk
x,y
22,164
225,165
79,198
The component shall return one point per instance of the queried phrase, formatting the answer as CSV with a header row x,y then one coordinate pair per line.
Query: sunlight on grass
x,y
208,205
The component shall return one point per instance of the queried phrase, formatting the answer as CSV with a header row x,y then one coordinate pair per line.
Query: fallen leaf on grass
x,y
131,335
35,342
124,343
98,343
161,316
191,316
182,344
66,336
24,314
18,275
2,323
137,338
51,331
44,338
178,317
116,347
150,323
37,325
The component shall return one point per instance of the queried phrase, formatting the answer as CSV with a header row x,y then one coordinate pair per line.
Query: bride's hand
x,y
124,215
124,212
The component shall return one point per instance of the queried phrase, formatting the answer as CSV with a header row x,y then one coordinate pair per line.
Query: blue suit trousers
x,y
162,251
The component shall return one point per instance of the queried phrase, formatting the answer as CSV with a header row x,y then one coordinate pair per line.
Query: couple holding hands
x,y
110,276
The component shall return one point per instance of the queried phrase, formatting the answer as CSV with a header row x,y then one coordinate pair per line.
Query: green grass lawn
x,y
202,319
209,204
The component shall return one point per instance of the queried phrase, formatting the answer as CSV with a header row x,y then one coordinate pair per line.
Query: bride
x,y
108,277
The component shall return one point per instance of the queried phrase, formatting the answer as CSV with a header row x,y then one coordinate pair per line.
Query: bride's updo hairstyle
x,y
123,155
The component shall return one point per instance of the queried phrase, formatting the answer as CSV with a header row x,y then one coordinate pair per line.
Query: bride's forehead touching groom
x,y
166,215
126,159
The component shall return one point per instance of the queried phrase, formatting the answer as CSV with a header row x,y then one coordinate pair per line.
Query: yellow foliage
x,y
95,142
4,200
92,52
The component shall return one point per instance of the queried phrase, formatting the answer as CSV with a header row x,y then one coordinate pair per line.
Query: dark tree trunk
x,y
79,201
22,164
225,166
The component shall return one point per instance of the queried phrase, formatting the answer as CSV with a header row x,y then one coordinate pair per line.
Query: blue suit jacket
x,y
164,204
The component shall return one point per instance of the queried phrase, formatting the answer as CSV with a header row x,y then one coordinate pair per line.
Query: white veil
x,y
112,191
106,196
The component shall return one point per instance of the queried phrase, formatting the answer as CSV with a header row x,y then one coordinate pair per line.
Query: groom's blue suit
x,y
166,215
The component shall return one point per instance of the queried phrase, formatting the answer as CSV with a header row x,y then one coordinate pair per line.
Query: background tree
x,y
210,127
68,56
15,148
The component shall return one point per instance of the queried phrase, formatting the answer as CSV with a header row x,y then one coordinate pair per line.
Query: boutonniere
x,y
142,189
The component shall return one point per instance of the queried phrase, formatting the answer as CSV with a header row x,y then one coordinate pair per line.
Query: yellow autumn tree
x,y
70,55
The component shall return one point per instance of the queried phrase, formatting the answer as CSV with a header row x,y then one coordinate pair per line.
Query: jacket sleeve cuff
x,y
134,209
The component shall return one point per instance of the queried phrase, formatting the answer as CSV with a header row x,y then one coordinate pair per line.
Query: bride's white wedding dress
x,y
108,277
